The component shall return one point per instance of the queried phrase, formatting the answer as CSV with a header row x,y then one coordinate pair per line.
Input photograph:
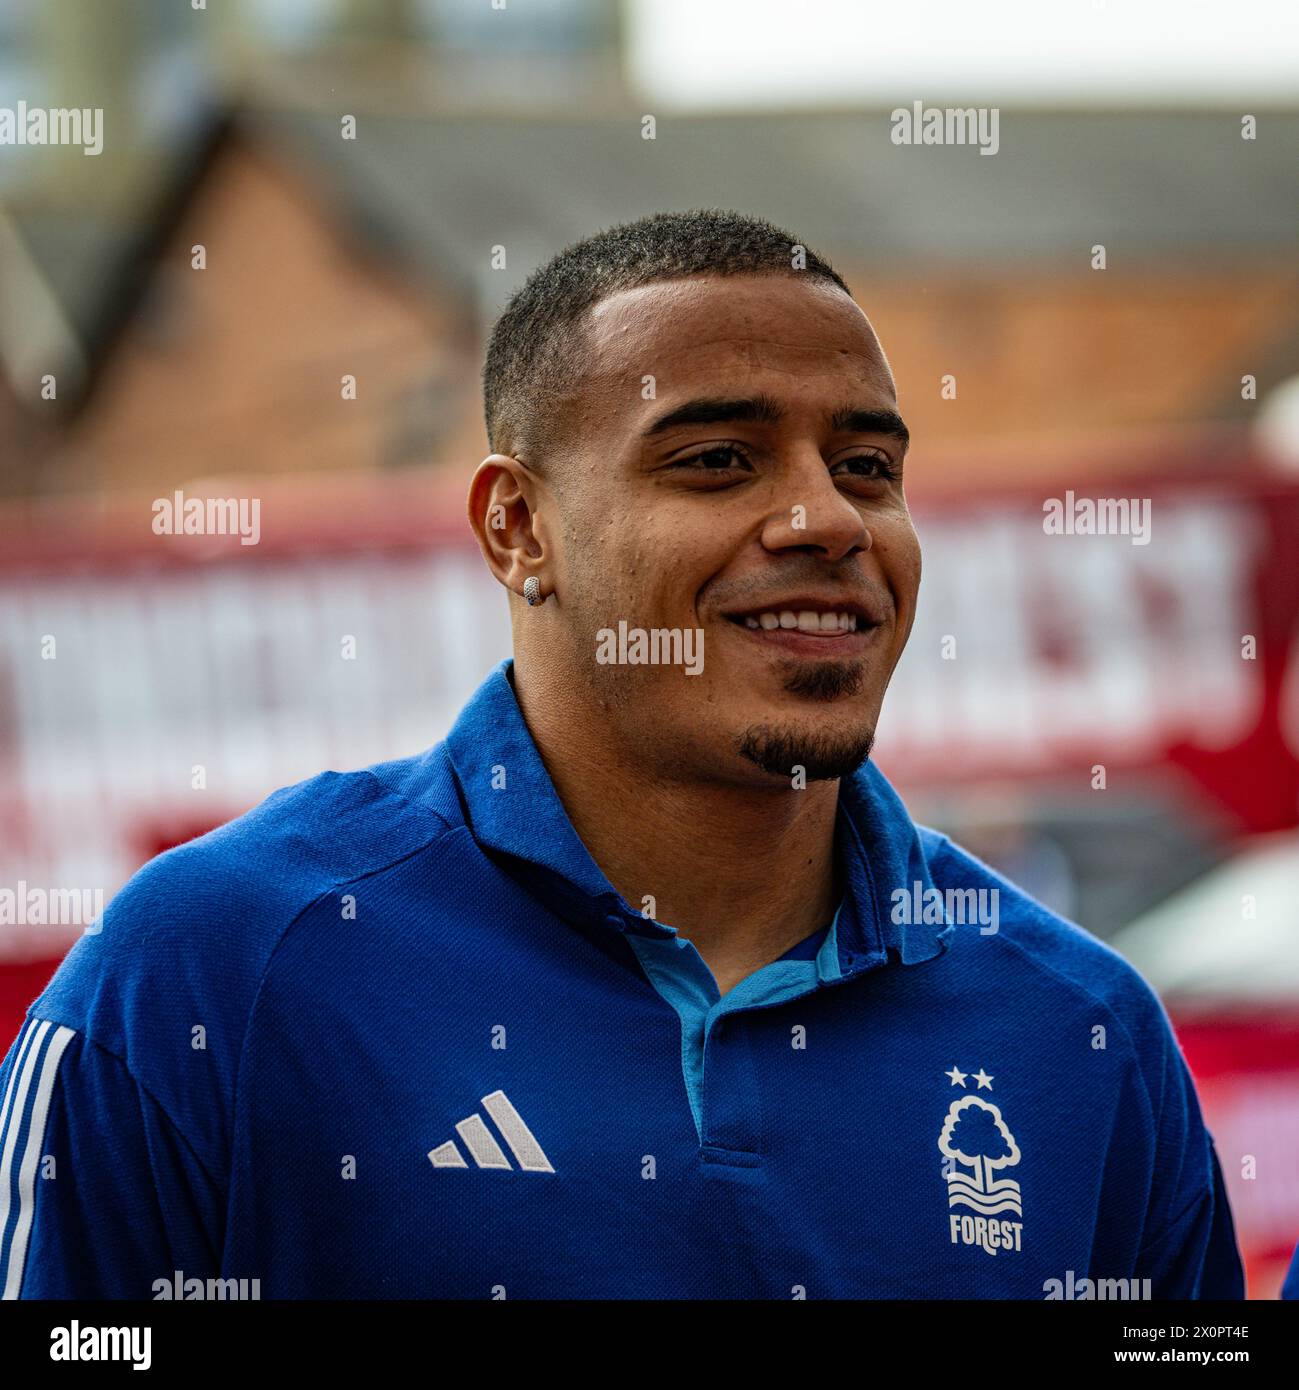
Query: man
x,y
642,983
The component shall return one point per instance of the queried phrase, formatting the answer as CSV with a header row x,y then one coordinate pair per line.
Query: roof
x,y
439,191
1146,184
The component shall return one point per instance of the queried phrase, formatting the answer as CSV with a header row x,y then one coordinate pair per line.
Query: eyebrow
x,y
763,410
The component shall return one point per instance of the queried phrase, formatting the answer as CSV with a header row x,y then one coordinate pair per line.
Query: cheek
x,y
897,552
663,566
624,571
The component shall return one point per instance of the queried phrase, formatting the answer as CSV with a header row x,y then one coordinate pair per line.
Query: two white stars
x,y
981,1077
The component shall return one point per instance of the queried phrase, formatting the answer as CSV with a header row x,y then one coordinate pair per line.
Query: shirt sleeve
x,y
1189,1251
100,1195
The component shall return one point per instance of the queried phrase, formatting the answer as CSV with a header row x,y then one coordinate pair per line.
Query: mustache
x,y
850,585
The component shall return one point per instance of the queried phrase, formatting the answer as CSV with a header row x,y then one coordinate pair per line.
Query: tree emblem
x,y
975,1134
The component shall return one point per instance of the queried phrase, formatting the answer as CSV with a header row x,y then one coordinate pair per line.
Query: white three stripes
x,y
482,1146
11,1118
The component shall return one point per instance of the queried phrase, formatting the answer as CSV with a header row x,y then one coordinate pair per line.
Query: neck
x,y
742,874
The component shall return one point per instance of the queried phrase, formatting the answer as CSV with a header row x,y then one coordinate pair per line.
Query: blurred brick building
x,y
380,258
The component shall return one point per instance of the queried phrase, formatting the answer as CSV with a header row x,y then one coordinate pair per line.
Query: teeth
x,y
804,621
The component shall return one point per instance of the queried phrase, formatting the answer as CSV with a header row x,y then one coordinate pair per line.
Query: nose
x,y
810,513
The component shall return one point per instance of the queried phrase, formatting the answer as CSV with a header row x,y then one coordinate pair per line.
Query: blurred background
x,y
1114,724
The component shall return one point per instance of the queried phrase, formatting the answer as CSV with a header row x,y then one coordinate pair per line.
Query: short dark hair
x,y
532,355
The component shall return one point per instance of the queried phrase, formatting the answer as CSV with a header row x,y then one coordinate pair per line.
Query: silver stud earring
x,y
532,590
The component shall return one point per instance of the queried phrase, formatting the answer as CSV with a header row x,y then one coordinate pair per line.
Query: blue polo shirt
x,y
393,1033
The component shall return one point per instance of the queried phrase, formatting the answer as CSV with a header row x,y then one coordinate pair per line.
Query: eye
x,y
869,466
716,458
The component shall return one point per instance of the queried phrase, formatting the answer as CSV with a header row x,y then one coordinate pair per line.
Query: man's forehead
x,y
735,308
710,326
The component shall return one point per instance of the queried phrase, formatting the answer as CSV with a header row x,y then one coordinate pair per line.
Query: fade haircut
x,y
534,353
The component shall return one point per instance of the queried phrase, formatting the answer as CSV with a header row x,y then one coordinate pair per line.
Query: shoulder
x,y
219,904
1022,941
172,970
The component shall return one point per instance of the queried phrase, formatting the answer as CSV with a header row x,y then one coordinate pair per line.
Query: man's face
x,y
756,496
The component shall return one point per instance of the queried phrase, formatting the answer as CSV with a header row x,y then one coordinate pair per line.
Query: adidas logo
x,y
482,1145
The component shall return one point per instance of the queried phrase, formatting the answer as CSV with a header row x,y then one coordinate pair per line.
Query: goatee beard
x,y
821,756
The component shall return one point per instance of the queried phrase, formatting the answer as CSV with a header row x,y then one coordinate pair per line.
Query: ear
x,y
508,524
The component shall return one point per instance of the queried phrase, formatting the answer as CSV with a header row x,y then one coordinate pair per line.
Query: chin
x,y
823,754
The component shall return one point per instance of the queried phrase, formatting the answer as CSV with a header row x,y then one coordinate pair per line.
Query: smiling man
x,y
643,983
721,453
